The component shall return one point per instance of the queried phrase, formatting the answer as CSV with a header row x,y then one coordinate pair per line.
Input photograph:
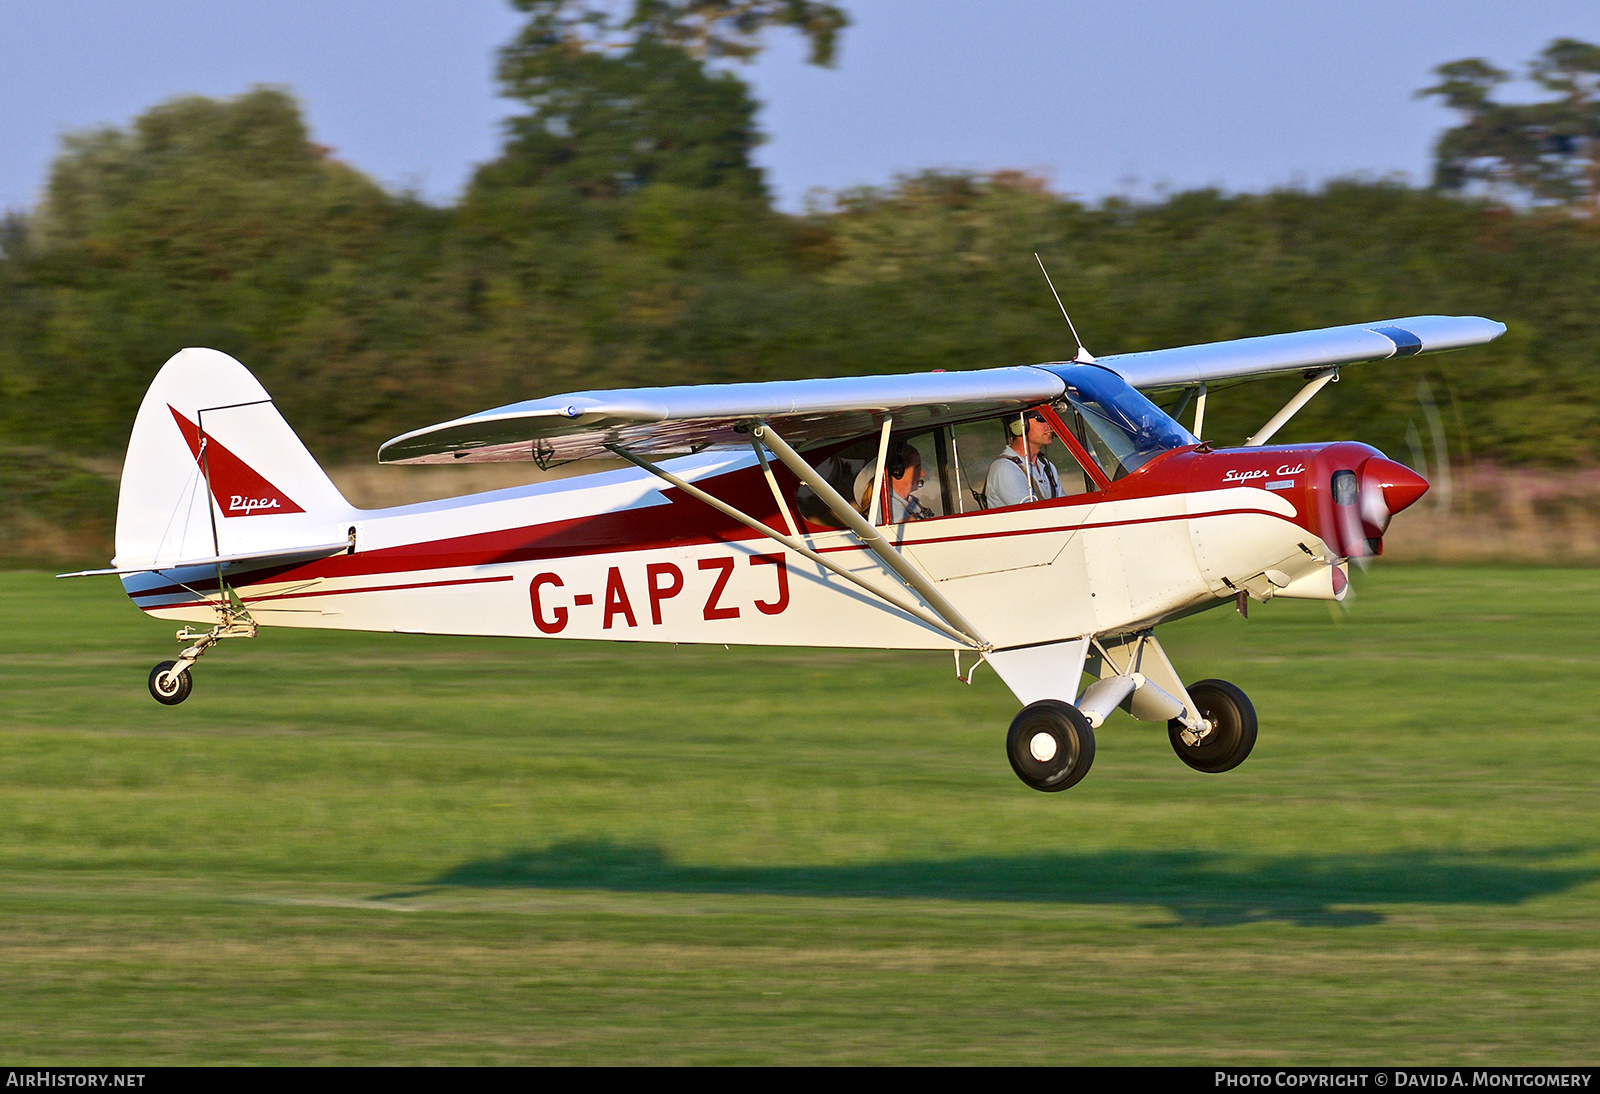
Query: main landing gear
x,y
1051,742
1050,745
1227,730
170,681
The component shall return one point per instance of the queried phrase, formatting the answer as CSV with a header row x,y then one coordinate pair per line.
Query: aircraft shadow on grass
x,y
1198,888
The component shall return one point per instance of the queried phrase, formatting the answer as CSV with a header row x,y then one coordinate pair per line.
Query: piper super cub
x,y
1042,518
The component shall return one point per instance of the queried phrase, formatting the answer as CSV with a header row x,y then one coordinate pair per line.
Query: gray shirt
x,y
1008,484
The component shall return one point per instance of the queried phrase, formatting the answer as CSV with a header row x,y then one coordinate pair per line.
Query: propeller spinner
x,y
1365,500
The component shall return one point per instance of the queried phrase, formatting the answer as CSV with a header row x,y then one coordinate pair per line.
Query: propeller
x,y
1366,499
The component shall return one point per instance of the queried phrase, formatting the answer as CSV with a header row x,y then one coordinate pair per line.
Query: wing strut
x,y
870,537
793,543
1315,382
777,495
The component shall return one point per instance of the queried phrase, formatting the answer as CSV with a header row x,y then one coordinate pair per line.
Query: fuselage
x,y
620,555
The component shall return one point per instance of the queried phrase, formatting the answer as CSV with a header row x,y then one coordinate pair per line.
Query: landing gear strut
x,y
1050,745
170,681
1227,729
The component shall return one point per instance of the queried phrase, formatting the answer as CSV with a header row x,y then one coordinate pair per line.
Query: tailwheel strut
x,y
170,681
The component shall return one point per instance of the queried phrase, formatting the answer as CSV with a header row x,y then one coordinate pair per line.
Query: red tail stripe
x,y
237,488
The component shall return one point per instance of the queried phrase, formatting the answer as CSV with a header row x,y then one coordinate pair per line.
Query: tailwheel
x,y
1050,745
168,687
1227,731
170,681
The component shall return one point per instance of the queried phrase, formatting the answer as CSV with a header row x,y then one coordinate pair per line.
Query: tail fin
x,y
214,470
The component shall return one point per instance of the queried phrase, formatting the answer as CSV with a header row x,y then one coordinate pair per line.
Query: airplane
x,y
866,512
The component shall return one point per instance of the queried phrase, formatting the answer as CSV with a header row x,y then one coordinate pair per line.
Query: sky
x,y
1135,98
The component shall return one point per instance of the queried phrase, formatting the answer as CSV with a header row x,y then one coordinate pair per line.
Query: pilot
x,y
901,477
1021,473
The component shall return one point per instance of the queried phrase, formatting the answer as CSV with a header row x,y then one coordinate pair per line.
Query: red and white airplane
x,y
1043,519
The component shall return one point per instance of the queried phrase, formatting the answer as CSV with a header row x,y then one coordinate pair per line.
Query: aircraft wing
x,y
1307,349
667,421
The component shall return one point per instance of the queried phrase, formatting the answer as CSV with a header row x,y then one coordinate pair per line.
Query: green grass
x,y
383,848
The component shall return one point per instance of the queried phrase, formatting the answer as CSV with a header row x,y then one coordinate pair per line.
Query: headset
x,y
1016,427
896,465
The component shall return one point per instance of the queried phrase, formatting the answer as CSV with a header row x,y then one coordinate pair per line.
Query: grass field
x,y
395,849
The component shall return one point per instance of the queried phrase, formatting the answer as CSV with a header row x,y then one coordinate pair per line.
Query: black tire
x,y
1062,760
1235,733
170,694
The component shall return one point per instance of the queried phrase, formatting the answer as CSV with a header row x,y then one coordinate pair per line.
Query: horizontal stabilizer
x,y
286,556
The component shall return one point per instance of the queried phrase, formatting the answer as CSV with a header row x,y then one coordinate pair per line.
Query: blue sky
x,y
1136,97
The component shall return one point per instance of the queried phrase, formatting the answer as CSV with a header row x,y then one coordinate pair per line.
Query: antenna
x,y
1083,356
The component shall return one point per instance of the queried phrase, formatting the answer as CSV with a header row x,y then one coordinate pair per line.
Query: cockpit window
x,y
1119,427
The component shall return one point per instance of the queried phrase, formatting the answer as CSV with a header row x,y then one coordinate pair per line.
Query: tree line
x,y
624,236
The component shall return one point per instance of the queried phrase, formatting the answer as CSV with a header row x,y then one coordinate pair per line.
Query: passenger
x,y
902,476
1021,473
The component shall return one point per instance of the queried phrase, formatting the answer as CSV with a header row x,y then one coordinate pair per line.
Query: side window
x,y
914,485
931,494
989,464
840,470
995,468
911,486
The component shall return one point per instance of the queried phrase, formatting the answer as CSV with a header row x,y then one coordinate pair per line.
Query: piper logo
x,y
239,489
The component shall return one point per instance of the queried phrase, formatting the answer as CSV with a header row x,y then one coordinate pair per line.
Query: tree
x,y
1547,151
620,102
705,29
206,222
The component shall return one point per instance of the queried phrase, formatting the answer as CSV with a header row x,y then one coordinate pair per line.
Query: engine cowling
x,y
1344,492
1364,498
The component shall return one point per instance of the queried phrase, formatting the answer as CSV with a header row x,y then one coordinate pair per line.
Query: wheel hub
x,y
1042,747
1193,737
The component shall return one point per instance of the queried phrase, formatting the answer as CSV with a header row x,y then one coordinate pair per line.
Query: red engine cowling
x,y
1344,493
1355,493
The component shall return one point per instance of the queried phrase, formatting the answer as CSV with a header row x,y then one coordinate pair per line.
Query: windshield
x,y
1120,428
